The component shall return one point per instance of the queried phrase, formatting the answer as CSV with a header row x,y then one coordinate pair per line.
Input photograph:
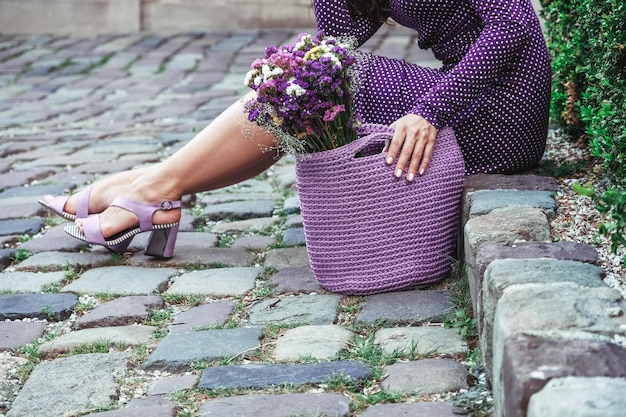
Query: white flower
x,y
302,43
333,58
295,90
269,72
248,78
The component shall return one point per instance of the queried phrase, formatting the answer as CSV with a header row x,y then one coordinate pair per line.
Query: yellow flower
x,y
314,53
277,121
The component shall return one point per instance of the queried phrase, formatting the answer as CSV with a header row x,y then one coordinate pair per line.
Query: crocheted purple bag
x,y
367,231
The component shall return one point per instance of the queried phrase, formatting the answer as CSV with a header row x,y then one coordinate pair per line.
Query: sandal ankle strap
x,y
144,211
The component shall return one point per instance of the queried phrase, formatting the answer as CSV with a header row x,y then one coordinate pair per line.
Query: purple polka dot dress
x,y
493,87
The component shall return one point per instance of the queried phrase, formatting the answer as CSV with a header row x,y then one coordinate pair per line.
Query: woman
x,y
493,90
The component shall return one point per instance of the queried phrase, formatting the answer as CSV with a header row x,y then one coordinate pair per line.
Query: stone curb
x,y
544,314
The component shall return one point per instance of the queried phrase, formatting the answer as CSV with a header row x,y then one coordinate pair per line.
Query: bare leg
x,y
227,151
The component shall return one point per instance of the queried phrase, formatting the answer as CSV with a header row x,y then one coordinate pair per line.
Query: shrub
x,y
586,39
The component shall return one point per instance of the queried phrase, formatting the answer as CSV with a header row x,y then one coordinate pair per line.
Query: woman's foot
x,y
95,199
143,190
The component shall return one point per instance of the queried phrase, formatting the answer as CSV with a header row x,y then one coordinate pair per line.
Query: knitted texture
x,y
367,231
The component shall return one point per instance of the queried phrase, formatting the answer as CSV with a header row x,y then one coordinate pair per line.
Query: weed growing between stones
x,y
373,396
71,274
187,402
51,288
339,383
225,240
139,354
413,353
24,238
348,309
85,303
202,267
477,401
101,346
261,291
188,300
160,318
262,287
365,349
463,322
21,255
32,353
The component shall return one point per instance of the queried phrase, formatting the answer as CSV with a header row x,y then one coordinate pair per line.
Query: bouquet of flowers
x,y
304,93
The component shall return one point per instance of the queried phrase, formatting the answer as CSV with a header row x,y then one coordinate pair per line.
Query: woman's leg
x,y
229,150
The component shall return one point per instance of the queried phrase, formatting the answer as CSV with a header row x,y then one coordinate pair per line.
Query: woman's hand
x,y
412,144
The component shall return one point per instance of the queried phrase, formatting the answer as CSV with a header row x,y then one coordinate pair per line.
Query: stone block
x,y
120,335
279,405
423,340
503,273
580,397
530,361
295,280
177,352
419,409
415,307
202,316
301,309
265,375
490,251
37,306
120,312
15,334
559,306
425,376
484,202
479,182
322,342
216,281
510,182
82,383
504,225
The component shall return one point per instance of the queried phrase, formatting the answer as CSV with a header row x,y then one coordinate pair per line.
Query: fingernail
x,y
398,173
411,176
422,171
389,160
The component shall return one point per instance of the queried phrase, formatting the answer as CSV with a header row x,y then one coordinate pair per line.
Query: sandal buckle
x,y
167,205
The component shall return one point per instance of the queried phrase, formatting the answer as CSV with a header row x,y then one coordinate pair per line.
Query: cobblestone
x,y
238,301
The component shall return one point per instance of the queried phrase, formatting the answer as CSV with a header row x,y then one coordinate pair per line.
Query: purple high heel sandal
x,y
162,240
57,205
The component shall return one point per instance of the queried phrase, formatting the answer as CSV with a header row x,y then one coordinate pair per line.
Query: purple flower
x,y
304,93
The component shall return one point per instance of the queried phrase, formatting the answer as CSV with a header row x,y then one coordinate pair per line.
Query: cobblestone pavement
x,y
235,324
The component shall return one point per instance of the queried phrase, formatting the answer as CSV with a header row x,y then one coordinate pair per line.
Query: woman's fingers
x,y
412,144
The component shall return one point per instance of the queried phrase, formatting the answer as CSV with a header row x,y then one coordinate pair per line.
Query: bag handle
x,y
374,129
368,134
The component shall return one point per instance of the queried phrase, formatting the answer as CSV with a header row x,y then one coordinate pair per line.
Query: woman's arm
x,y
333,17
505,31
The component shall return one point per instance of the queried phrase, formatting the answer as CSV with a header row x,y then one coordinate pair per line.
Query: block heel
x,y
161,243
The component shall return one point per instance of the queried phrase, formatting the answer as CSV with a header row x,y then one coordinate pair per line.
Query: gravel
x,y
577,218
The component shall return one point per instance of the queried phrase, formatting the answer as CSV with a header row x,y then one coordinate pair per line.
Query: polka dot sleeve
x,y
333,17
505,30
